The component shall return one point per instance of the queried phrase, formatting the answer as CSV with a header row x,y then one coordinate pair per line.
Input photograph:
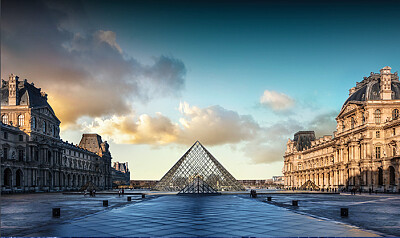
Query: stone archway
x,y
7,177
19,178
380,176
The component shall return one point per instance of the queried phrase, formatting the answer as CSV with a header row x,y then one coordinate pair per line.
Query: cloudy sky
x,y
152,77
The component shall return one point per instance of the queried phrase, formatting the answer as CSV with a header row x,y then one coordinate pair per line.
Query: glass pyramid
x,y
197,162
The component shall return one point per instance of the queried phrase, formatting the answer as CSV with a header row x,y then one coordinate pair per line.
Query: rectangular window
x,y
21,138
394,131
377,152
20,155
378,134
5,135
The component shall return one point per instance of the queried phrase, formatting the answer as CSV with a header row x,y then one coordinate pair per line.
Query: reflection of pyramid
x,y
197,187
197,162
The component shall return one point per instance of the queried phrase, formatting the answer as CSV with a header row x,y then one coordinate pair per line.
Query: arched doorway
x,y
18,178
7,177
392,175
380,176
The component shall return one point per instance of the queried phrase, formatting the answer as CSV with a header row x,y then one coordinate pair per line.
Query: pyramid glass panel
x,y
197,162
198,186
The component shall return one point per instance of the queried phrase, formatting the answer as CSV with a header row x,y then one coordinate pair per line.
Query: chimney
x,y
386,83
12,90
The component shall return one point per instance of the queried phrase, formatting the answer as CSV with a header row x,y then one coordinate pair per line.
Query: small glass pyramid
x,y
198,186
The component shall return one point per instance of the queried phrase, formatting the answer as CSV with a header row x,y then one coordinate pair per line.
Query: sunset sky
x,y
152,77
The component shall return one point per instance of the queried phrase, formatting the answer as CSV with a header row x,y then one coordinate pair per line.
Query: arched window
x,y
34,122
377,116
395,114
392,176
4,119
21,120
352,123
380,176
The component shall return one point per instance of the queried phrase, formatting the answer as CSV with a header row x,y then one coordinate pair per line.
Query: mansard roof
x,y
370,87
28,95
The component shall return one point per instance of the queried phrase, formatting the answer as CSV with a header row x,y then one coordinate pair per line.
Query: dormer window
x,y
21,120
395,114
377,116
4,119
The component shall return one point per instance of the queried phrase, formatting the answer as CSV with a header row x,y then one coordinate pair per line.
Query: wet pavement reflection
x,y
225,216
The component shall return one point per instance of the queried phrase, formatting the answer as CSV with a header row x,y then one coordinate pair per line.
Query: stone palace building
x,y
33,157
364,150
120,174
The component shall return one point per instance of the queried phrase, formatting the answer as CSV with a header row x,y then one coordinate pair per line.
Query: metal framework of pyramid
x,y
198,187
197,162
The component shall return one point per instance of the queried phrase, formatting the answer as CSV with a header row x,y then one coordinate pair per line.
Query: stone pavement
x,y
224,216
22,214
377,212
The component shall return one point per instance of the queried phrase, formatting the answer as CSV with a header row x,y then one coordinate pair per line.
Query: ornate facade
x,y
120,174
33,157
363,152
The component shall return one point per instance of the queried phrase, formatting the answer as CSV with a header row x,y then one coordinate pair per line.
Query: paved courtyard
x,y
226,215
378,212
22,214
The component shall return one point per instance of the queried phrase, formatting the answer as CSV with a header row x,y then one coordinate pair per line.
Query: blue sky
x,y
153,76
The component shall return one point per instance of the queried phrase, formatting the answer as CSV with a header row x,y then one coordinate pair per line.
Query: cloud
x,y
270,144
215,125
324,124
276,101
212,126
108,37
84,70
131,130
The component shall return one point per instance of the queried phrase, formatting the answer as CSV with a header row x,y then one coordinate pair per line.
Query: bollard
x,y
269,199
344,212
143,195
56,212
105,203
295,203
129,199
